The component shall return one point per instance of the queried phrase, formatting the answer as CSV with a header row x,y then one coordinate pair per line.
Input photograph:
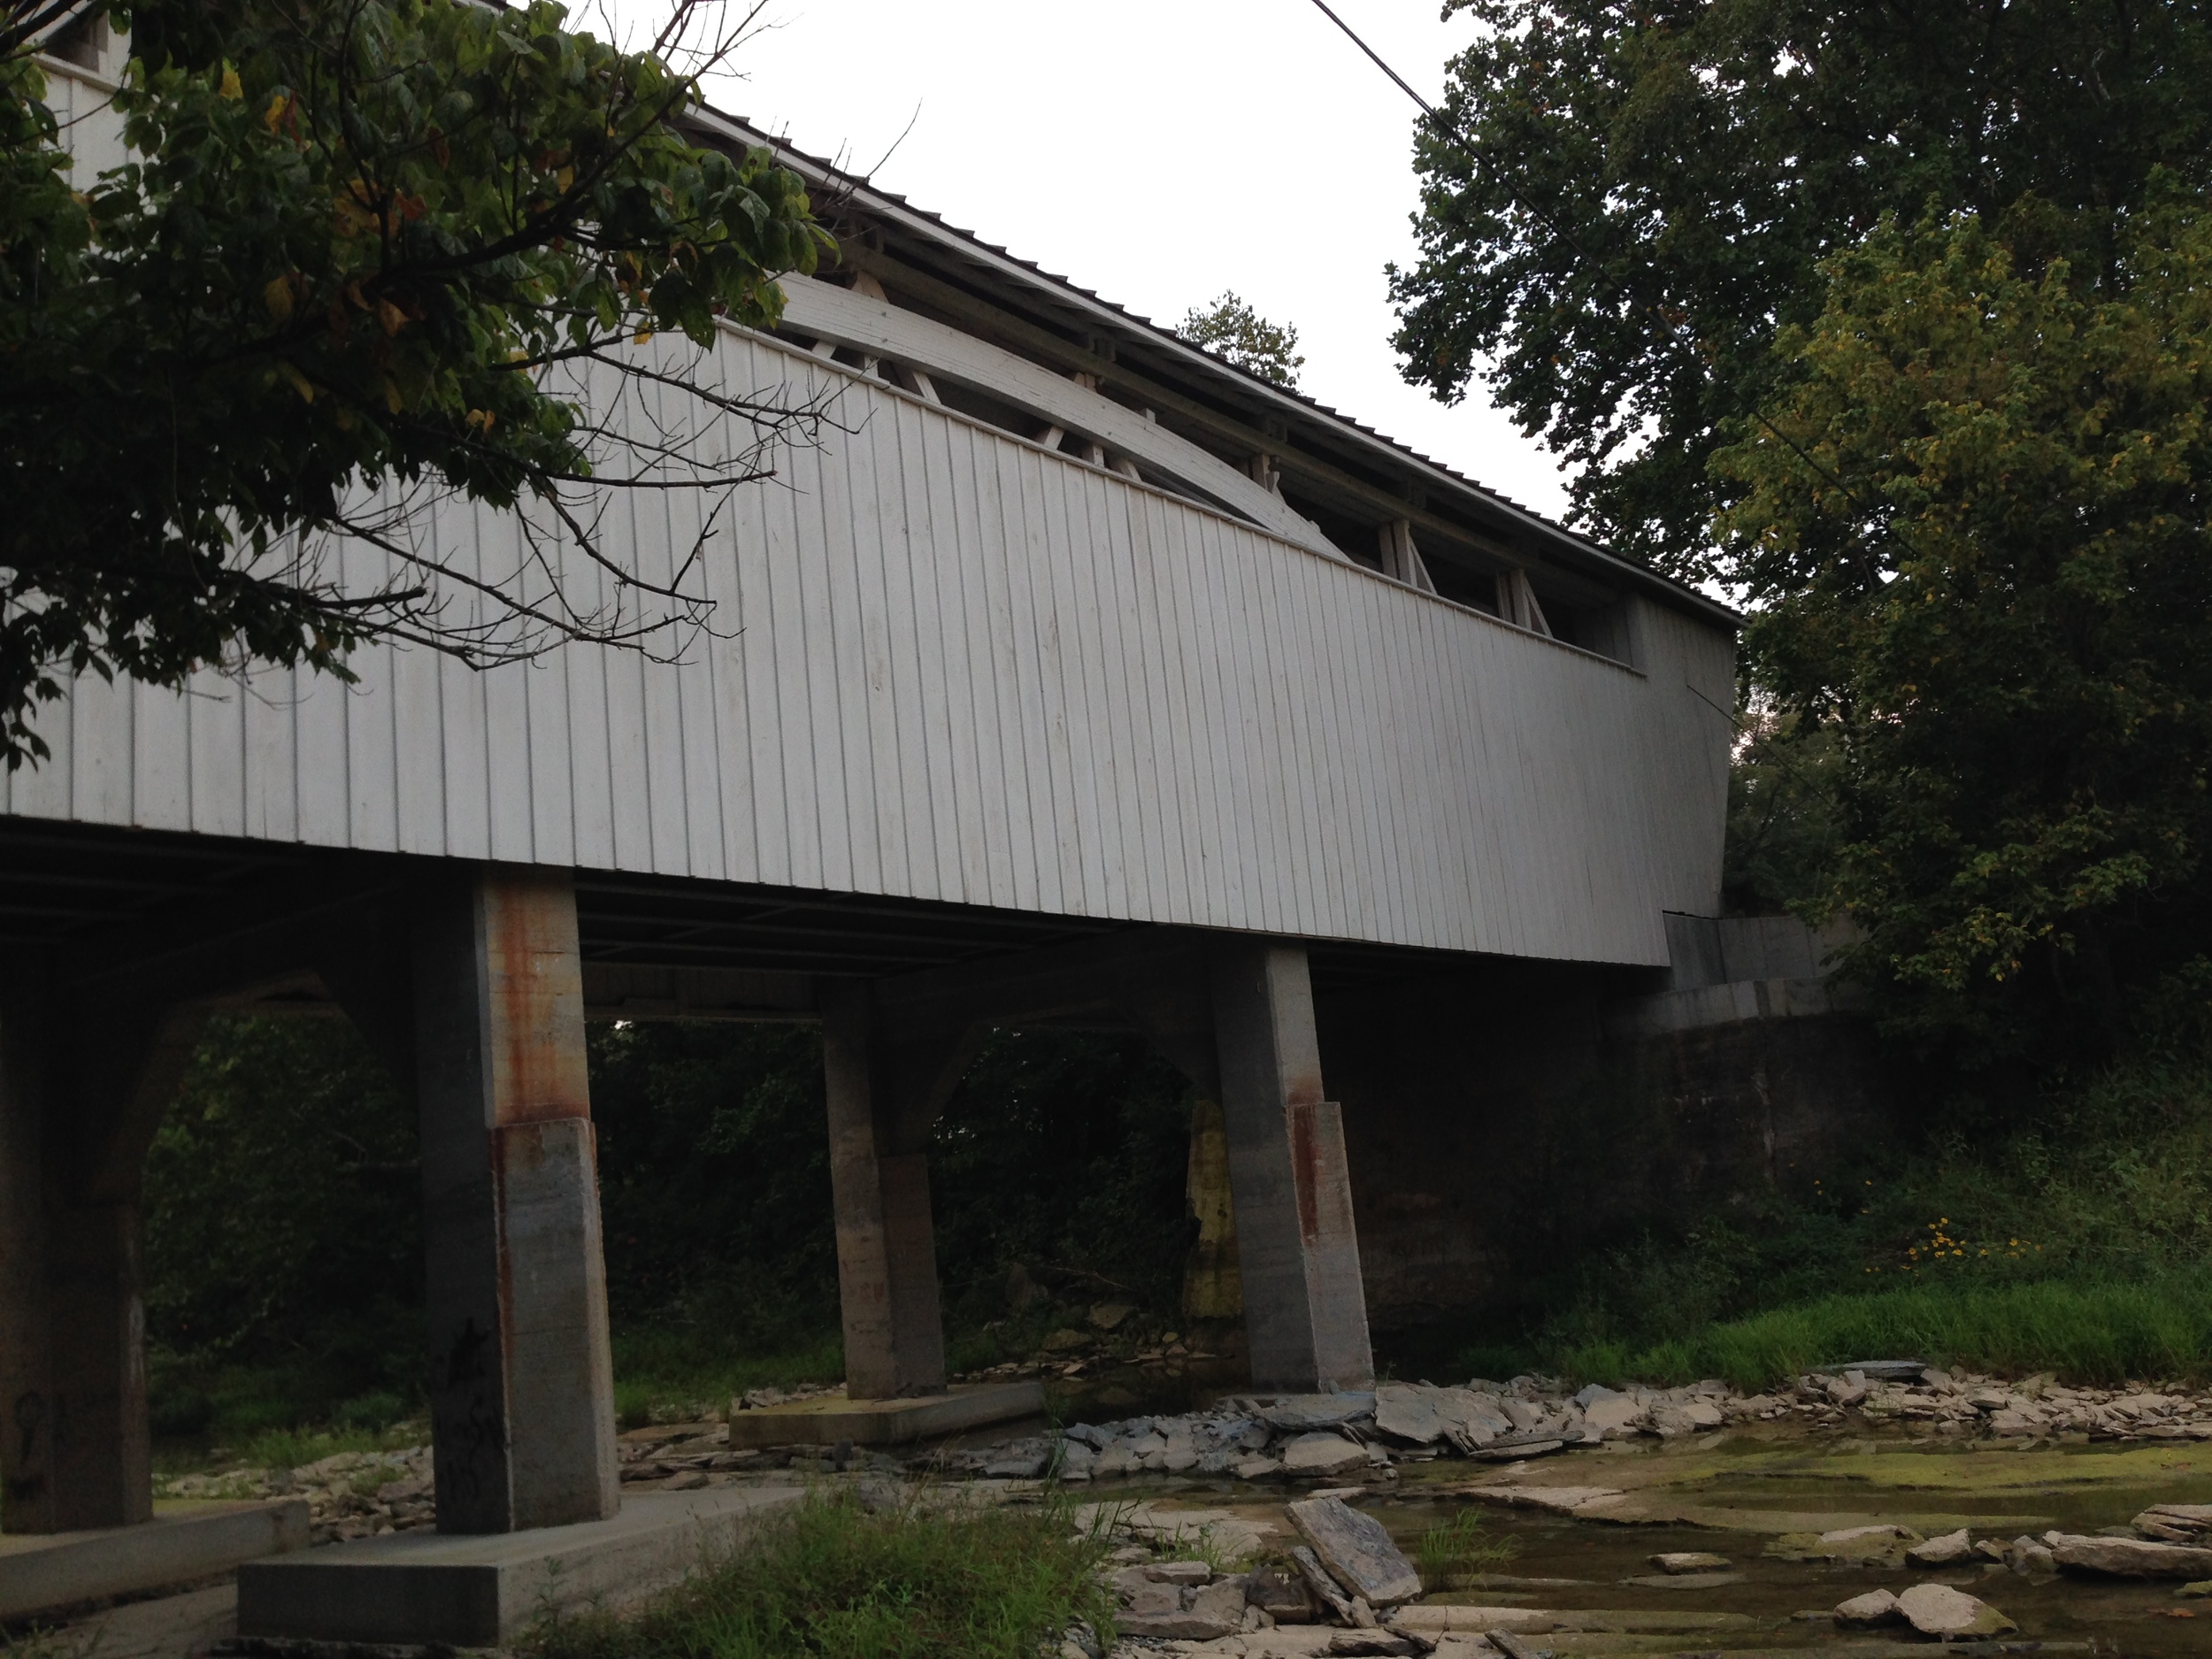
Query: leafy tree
x,y
1979,525
1067,1153
283,1218
1782,826
1621,202
714,1176
362,251
284,1233
1062,1151
1231,328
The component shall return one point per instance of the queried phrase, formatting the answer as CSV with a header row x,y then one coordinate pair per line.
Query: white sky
x,y
1156,151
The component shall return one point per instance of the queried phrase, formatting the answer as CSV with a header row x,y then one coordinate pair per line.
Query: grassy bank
x,y
2067,1230
2070,1232
834,1581
2083,1332
665,1372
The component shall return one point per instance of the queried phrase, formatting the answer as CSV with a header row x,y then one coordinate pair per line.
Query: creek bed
x,y
1748,1490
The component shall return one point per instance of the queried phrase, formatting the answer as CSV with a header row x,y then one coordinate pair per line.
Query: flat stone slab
x,y
1560,1500
483,1591
829,1418
1356,1550
176,1624
40,1572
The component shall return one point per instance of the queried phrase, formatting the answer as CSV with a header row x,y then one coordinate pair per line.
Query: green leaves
x,y
1978,524
1959,469
1624,203
1232,328
352,247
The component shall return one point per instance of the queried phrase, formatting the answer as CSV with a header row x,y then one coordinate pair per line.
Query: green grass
x,y
2070,1232
1460,1549
288,1448
2102,1332
37,1641
834,1581
194,1397
284,1448
260,1412
672,1373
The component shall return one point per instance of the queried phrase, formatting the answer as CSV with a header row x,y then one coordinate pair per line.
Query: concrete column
x,y
522,1386
75,1448
27,1379
1210,1288
103,1442
887,1253
1305,1312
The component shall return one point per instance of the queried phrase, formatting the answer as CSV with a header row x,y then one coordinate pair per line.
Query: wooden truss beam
x,y
1304,472
877,328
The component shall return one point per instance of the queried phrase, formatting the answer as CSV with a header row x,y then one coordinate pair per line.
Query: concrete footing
x,y
42,1572
834,1418
484,1590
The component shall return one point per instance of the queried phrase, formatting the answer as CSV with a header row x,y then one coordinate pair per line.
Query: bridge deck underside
x,y
89,900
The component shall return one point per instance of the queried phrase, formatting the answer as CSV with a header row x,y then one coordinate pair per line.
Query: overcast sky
x,y
1156,151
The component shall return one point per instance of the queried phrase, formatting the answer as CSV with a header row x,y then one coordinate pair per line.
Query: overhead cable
x,y
1668,326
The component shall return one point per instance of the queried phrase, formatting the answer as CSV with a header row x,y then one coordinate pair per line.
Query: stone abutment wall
x,y
1499,1125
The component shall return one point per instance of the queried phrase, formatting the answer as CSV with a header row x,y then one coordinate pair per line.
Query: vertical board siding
x,y
946,665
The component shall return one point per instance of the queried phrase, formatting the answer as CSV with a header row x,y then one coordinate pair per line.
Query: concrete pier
x,y
75,1448
103,1446
1305,1310
522,1387
887,1257
1234,1013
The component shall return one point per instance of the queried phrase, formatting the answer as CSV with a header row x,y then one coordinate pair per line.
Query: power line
x,y
1376,59
1451,134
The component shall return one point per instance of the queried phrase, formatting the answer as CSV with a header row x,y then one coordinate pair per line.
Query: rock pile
x,y
2172,1541
1960,1403
1181,1600
1349,1436
349,1495
1344,1436
1116,1339
1347,1572
1251,1439
684,1456
2168,1540
760,1398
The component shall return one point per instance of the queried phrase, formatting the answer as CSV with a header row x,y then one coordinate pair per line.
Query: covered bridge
x,y
1072,676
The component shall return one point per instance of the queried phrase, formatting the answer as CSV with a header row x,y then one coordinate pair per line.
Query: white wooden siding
x,y
957,666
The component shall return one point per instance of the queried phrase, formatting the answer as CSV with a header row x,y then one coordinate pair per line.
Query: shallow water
x,y
1734,1493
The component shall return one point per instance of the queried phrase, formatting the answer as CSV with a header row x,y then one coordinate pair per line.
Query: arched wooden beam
x,y
880,329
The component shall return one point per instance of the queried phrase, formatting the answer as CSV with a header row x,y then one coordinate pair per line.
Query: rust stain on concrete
x,y
1306,1172
530,966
